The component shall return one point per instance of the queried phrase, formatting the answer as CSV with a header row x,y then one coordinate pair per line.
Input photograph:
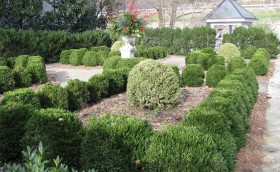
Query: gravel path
x,y
60,73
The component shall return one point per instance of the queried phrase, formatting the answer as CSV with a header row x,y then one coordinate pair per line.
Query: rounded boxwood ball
x,y
228,51
152,84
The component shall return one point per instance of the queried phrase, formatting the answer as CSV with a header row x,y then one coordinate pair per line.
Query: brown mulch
x,y
250,157
191,97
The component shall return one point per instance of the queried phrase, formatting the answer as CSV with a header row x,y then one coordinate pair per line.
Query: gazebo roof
x,y
229,9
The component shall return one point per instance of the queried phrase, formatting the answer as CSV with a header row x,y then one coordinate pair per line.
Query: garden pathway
x,y
271,147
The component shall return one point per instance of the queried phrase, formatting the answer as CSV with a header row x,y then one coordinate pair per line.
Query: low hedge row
x,y
260,61
193,75
6,79
236,63
117,62
150,52
89,57
215,74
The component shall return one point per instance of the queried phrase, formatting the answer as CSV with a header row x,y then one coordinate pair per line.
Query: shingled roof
x,y
229,9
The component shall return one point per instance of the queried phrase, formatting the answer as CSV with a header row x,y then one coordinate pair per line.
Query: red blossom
x,y
141,29
125,28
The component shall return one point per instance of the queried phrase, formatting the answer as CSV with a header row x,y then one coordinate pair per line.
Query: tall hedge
x,y
59,130
12,122
180,148
115,143
48,44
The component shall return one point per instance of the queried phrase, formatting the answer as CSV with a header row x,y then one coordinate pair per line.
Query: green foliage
x,y
90,59
48,44
3,61
236,63
11,61
6,79
228,51
115,143
179,41
128,63
53,96
249,52
117,45
78,94
117,82
177,72
98,86
180,148
101,57
150,52
198,57
21,61
76,56
215,60
260,62
64,56
36,67
193,75
12,122
59,130
111,62
254,36
22,77
114,53
153,84
215,74
21,96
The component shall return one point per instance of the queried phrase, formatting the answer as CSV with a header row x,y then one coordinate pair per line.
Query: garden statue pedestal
x,y
127,51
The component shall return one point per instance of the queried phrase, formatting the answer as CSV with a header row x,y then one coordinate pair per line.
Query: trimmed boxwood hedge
x,y
180,148
3,61
76,56
36,67
236,63
198,57
22,77
115,143
228,51
59,130
53,96
90,59
98,86
78,94
193,75
215,60
111,62
260,62
23,96
64,56
117,82
6,79
21,61
12,122
215,74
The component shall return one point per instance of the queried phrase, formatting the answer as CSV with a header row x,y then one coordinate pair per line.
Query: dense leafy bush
x,y
153,84
6,79
150,52
101,48
254,36
36,67
260,62
115,143
111,62
12,122
90,59
193,75
22,77
236,63
114,53
249,52
76,56
3,61
48,44
177,72
215,60
78,94
117,45
180,148
98,86
215,74
64,56
53,96
21,96
117,82
101,57
21,61
59,130
11,62
198,57
228,51
180,41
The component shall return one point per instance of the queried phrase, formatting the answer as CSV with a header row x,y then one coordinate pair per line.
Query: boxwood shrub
x,y
22,77
117,45
228,51
78,94
236,63
98,86
76,56
3,61
36,67
21,61
12,122
215,74
177,72
59,130
21,96
117,82
114,53
101,57
128,63
153,84
198,57
6,79
215,60
180,148
193,75
115,143
53,96
90,59
111,62
260,62
249,52
64,56
11,62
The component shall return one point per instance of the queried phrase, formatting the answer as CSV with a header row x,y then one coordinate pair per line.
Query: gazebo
x,y
227,16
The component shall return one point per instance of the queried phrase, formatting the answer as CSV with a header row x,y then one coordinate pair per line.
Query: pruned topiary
x,y
228,51
236,63
215,74
6,79
193,75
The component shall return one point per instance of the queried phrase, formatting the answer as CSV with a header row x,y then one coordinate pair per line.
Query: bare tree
x,y
159,5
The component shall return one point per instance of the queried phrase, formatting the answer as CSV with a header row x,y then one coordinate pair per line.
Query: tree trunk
x,y
160,17
173,14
